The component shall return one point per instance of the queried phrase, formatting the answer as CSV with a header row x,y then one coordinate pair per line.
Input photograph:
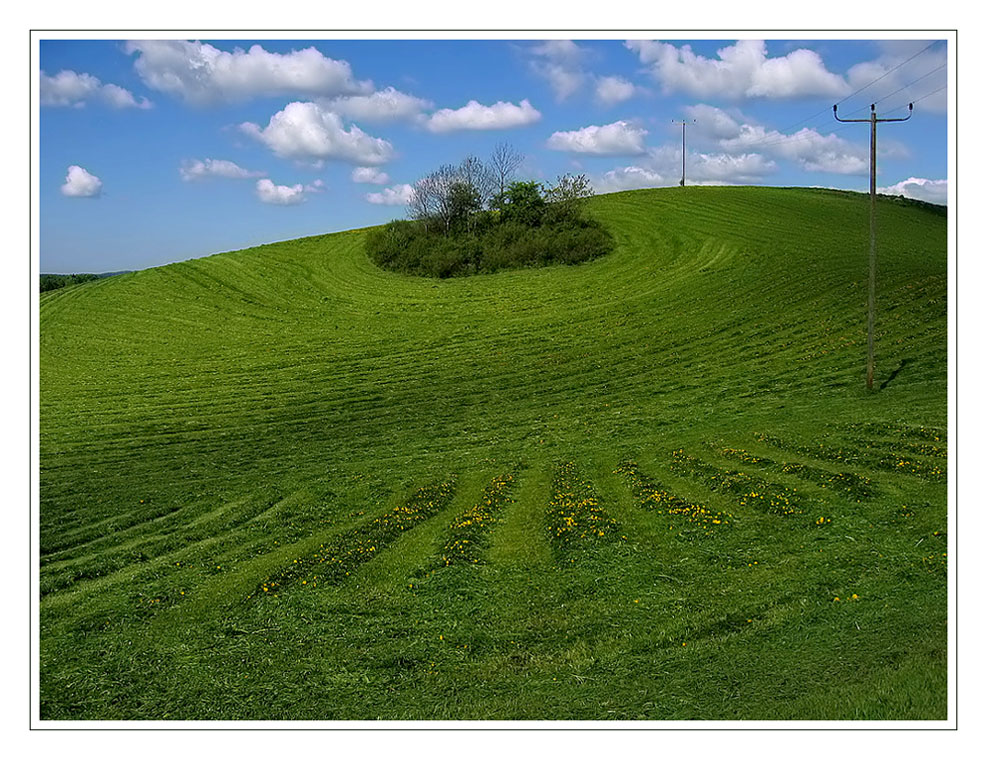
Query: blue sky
x,y
162,150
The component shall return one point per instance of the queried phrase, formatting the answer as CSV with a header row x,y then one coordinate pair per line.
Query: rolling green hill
x,y
281,483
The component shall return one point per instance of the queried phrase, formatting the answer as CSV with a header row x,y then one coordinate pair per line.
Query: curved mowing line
x,y
242,532
892,448
119,524
219,408
177,521
137,545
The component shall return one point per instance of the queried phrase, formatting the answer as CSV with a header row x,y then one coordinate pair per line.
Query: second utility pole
x,y
683,123
872,279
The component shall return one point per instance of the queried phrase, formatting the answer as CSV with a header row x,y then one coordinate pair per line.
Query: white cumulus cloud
x,y
810,149
612,90
81,184
370,175
618,139
713,122
396,195
633,178
559,62
384,105
72,89
742,70
920,189
194,169
202,74
280,195
906,70
309,133
561,51
729,169
663,168
475,115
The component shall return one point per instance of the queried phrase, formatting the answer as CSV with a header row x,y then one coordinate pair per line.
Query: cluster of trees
x,y
476,217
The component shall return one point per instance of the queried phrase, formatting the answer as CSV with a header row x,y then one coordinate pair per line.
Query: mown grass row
x,y
340,557
469,533
849,484
575,518
653,495
750,490
874,454
897,430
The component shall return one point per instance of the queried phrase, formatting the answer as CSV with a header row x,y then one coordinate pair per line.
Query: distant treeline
x,y
56,281
900,200
934,208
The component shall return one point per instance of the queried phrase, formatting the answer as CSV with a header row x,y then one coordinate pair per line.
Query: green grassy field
x,y
282,484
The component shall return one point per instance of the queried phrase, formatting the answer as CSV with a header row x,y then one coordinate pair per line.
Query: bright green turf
x,y
205,424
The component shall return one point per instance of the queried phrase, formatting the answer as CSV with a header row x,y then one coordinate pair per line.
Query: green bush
x,y
493,244
410,248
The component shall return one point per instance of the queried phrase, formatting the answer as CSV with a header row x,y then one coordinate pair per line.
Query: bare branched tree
x,y
421,204
479,177
445,197
504,163
451,195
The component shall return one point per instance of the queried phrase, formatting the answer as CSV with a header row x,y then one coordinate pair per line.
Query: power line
x,y
857,92
905,87
758,143
889,71
784,139
919,100
792,126
792,138
914,81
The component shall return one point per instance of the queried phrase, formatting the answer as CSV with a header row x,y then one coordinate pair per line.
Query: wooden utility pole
x,y
872,279
683,123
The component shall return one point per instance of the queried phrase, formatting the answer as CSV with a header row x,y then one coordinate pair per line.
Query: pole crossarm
x,y
872,259
869,120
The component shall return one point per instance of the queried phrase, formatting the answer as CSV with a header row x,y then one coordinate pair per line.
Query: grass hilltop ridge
x,y
685,504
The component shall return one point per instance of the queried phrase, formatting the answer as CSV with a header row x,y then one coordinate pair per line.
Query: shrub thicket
x,y
467,220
